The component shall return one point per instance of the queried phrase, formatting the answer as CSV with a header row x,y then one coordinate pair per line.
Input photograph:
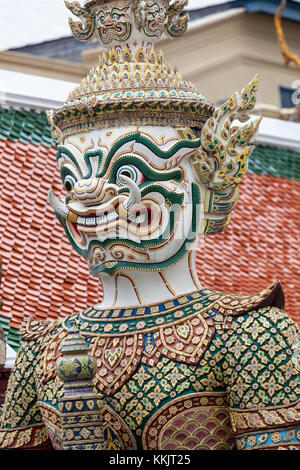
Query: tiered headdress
x,y
133,86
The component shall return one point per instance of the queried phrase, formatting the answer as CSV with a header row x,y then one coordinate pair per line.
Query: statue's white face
x,y
132,201
114,22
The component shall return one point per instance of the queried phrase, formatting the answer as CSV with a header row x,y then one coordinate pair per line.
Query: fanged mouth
x,y
138,218
143,223
110,28
157,24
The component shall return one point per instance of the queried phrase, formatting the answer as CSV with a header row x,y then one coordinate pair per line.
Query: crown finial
x,y
117,21
132,85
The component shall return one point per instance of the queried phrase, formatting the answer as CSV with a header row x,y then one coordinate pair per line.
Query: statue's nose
x,y
94,191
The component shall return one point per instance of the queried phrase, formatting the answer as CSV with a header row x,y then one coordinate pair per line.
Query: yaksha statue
x,y
149,167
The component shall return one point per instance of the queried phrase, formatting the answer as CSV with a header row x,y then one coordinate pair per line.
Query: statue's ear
x,y
55,131
218,206
177,23
222,158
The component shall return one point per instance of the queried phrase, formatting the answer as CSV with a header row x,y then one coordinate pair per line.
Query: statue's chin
x,y
123,254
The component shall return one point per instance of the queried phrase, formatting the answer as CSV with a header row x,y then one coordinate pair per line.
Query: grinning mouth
x,y
110,28
145,222
139,217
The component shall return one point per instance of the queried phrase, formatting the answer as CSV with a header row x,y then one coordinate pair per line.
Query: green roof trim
x,y
12,335
26,127
275,162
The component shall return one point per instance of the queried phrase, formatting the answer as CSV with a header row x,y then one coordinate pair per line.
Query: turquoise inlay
x,y
134,321
270,438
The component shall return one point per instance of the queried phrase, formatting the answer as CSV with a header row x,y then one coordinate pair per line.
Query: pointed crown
x,y
131,85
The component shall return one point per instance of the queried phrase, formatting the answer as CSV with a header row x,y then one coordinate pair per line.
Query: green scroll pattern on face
x,y
32,127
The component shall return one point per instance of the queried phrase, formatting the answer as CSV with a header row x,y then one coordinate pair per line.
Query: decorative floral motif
x,y
247,364
264,371
21,392
278,440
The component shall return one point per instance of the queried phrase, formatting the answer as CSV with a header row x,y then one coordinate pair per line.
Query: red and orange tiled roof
x,y
45,278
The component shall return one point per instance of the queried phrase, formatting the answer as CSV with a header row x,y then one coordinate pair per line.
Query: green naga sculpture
x,y
149,167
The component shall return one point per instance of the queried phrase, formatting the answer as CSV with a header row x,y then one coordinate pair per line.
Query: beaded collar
x,y
95,321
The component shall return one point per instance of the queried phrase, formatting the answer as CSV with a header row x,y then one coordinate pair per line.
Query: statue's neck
x,y
128,288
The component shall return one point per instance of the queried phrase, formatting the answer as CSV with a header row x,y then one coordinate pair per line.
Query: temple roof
x,y
41,277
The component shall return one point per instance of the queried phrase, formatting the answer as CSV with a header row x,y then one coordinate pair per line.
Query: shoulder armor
x,y
231,304
186,340
32,329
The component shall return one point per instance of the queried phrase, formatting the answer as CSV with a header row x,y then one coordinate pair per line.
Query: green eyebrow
x,y
119,10
136,137
87,157
67,152
144,168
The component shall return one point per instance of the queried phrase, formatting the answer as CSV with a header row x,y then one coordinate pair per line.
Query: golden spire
x,y
287,54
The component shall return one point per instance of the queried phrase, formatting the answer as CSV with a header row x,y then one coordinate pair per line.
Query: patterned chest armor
x,y
194,373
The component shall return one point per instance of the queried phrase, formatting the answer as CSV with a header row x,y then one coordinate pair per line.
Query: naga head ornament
x,y
148,163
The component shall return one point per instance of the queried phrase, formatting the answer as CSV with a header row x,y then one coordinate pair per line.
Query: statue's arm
x,y
261,372
21,424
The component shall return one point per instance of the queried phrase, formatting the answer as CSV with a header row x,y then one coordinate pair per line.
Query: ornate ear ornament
x,y
177,24
55,131
222,159
84,29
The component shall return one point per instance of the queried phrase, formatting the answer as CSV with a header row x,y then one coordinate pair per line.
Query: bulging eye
x,y
101,19
69,183
131,172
